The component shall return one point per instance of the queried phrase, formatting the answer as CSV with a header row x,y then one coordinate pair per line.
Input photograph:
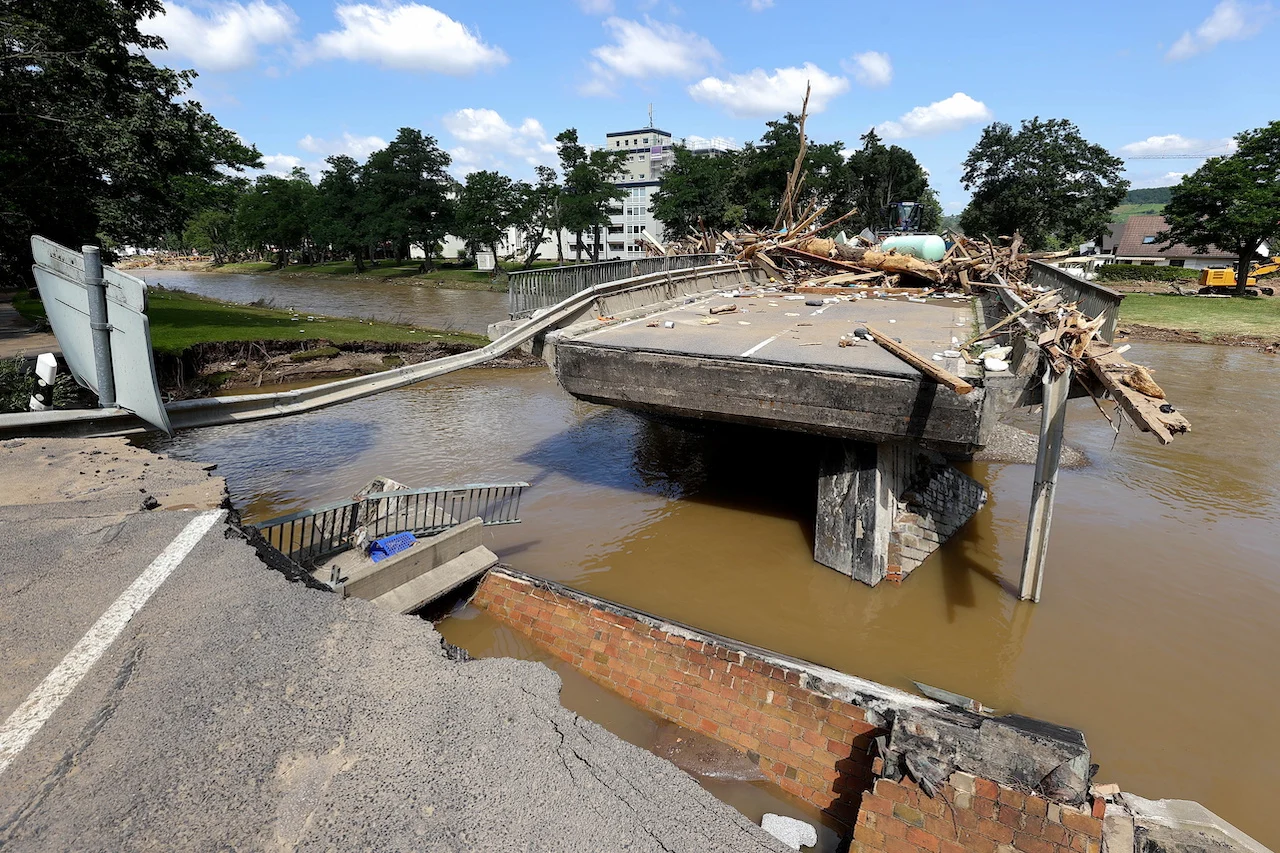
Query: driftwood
x,y
1150,414
925,366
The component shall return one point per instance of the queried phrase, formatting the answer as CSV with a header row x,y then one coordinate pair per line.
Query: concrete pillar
x,y
854,517
884,508
1053,418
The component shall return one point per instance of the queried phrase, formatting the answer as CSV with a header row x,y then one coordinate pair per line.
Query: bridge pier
x,y
884,508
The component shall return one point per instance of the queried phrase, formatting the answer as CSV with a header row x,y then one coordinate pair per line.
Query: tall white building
x,y
648,156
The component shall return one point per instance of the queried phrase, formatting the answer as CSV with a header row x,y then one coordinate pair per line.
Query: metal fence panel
x,y
319,532
1093,299
530,290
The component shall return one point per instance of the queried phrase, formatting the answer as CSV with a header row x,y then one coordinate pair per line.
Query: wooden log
x,y
924,365
1110,368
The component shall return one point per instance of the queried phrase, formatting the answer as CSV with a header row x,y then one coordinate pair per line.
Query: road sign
x,y
68,295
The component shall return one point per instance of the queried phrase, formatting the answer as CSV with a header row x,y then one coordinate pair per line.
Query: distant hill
x,y
1150,195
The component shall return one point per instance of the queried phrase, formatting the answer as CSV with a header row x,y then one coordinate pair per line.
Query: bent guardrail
x,y
529,290
322,531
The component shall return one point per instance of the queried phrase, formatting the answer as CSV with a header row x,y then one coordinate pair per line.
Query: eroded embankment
x,y
203,369
904,773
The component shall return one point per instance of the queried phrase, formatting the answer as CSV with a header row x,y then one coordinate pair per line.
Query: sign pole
x,y
99,325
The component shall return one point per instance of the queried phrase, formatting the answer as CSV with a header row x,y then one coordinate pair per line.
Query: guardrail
x,y
529,290
322,531
1093,299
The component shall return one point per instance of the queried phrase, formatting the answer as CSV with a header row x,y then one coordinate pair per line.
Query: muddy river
x,y
1157,634
436,308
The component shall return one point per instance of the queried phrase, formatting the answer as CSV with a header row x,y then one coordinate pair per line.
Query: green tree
x,y
698,189
880,175
272,214
589,190
1231,202
487,207
95,143
1044,180
213,231
337,215
537,211
408,194
764,168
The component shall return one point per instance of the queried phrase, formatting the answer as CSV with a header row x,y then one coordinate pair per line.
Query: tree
x,y
589,191
1045,181
537,212
1231,202
879,176
408,194
213,231
273,214
697,190
487,207
764,168
337,215
95,144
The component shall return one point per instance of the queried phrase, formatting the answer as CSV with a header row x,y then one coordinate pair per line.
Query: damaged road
x,y
237,710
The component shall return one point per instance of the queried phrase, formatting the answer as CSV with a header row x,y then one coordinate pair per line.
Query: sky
x,y
494,81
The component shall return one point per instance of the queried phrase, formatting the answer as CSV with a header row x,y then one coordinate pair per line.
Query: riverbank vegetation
x,y
1208,319
181,320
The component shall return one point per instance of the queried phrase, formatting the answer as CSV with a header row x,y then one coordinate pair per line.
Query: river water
x,y
1157,634
437,308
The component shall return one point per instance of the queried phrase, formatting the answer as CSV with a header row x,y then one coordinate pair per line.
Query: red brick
x,y
975,843
998,832
869,836
892,827
1033,825
1054,833
983,807
1031,844
1085,823
968,820
1099,807
899,845
952,847
1012,798
924,840
941,827
986,788
1010,817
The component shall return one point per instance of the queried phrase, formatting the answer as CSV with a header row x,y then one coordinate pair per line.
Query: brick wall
x,y
809,744
970,814
934,501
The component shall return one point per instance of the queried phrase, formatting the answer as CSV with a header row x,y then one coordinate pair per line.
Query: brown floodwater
x,y
430,307
1157,634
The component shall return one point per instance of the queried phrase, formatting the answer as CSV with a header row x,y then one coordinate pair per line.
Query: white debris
x,y
794,297
951,353
791,832
893,321
670,324
995,365
997,352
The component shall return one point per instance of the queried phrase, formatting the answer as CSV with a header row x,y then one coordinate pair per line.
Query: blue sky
x,y
494,82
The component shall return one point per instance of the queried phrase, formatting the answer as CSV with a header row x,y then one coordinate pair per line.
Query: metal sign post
x,y
99,316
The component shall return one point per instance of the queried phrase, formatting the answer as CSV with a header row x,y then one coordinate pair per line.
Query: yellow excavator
x,y
1223,280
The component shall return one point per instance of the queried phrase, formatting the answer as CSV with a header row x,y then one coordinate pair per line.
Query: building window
x,y
1147,241
646,140
1177,262
1148,263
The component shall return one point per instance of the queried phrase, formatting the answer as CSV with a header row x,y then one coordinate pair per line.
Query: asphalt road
x,y
239,711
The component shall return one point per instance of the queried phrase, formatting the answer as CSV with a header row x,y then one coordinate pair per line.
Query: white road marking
x,y
755,349
31,715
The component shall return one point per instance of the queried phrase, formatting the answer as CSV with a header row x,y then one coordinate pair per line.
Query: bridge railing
x,y
530,290
313,534
1093,299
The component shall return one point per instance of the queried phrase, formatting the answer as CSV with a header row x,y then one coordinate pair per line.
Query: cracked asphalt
x,y
238,711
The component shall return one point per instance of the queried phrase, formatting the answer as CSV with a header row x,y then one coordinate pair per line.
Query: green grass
x,y
250,266
1209,318
1124,211
180,320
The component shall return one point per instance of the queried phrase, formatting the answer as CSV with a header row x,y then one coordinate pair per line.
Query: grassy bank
x,y
1124,211
181,320
446,275
1210,319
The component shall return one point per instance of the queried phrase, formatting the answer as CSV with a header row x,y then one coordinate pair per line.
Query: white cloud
x,y
489,142
949,114
1175,143
596,7
224,39
871,69
758,93
652,49
1229,21
695,141
953,206
280,164
358,147
759,5
409,36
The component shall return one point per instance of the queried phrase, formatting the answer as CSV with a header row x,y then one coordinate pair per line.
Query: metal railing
x,y
319,532
529,290
1094,300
